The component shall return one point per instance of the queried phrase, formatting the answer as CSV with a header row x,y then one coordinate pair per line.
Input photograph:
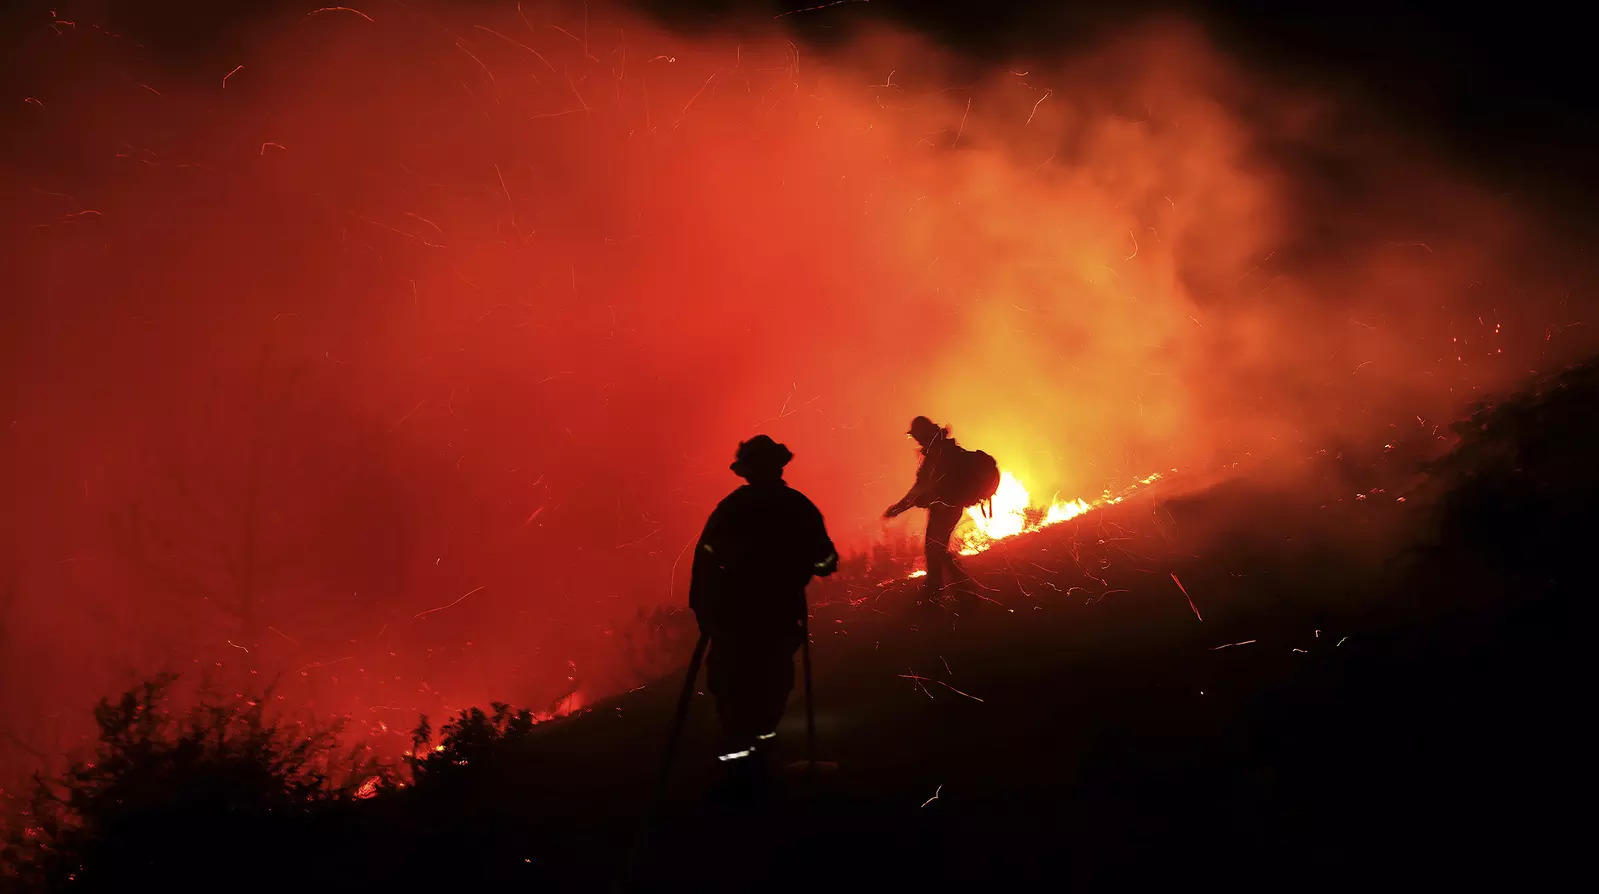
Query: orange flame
x,y
1012,512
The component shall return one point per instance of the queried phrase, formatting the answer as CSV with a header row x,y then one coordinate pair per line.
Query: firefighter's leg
x,y
941,521
772,682
959,579
728,677
759,676
774,675
718,680
933,561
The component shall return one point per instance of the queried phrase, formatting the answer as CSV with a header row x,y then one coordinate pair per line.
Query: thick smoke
x,y
402,357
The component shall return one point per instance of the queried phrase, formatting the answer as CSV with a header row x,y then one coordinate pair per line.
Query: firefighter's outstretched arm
x,y
905,502
913,497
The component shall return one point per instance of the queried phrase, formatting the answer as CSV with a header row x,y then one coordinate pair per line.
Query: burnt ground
x,y
1408,710
1380,692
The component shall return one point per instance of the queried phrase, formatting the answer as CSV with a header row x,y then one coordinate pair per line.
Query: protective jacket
x,y
761,546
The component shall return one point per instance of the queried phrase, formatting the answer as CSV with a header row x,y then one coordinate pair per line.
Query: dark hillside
x,y
1379,689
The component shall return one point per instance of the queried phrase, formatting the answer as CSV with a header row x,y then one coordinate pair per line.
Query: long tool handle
x,y
682,711
625,879
810,700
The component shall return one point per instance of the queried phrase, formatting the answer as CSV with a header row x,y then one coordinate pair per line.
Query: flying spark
x,y
1186,596
422,614
1230,645
919,680
815,8
339,9
1047,94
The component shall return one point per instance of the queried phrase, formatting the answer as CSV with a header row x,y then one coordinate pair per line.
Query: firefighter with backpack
x,y
949,479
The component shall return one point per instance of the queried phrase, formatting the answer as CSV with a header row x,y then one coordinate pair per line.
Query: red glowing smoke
x,y
405,353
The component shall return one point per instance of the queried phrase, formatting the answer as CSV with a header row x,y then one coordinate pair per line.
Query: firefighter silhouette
x,y
761,546
949,479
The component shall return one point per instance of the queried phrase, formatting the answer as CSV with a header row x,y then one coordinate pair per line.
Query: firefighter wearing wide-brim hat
x,y
760,548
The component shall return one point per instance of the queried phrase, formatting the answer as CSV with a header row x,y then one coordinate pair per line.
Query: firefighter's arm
x,y
705,579
905,503
826,566
912,497
828,561
820,555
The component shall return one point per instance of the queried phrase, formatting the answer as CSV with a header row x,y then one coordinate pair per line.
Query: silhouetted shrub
x,y
216,795
472,745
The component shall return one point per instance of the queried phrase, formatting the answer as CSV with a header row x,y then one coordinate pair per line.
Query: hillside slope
x,y
1370,671
1377,688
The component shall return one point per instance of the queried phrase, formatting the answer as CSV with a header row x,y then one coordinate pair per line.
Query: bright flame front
x,y
1012,512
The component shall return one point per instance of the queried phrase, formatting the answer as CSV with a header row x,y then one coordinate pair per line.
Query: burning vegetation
x,y
1361,703
395,352
1013,511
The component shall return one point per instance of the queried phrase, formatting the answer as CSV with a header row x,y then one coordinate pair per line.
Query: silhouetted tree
x,y
201,535
267,487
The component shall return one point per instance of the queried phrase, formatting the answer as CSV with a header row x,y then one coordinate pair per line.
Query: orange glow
x,y
408,348
1013,511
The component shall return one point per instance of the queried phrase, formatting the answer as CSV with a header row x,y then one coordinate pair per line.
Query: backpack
x,y
976,478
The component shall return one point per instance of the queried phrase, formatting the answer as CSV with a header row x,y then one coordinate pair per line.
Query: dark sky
x,y
1508,85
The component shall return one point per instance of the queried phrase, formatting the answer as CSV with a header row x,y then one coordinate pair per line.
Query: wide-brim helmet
x,y
760,456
